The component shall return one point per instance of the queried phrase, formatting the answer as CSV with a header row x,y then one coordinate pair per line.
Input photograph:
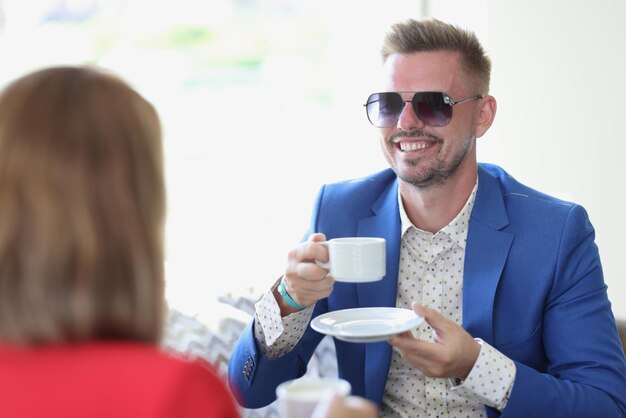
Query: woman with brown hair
x,y
82,208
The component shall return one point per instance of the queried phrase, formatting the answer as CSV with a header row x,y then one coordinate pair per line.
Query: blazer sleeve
x,y
253,377
586,372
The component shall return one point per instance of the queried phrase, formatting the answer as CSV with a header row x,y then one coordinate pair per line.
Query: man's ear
x,y
486,114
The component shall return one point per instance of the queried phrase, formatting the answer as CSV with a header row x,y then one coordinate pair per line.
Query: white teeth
x,y
413,146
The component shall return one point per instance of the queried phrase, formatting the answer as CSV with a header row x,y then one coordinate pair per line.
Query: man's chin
x,y
421,180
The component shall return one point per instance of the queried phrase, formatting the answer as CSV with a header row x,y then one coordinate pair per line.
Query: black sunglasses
x,y
431,107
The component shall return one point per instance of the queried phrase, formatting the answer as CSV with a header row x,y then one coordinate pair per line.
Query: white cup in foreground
x,y
356,259
298,398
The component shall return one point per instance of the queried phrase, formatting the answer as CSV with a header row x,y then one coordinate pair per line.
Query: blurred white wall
x,y
245,162
559,75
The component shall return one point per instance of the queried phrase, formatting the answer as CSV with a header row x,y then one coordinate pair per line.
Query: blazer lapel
x,y
485,255
385,223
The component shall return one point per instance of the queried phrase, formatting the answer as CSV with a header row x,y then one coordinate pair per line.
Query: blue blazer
x,y
533,288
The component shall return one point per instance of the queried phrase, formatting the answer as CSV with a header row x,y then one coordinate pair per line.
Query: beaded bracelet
x,y
283,292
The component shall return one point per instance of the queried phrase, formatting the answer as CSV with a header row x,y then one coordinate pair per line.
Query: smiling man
x,y
509,280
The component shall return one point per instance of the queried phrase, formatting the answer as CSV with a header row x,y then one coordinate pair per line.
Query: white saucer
x,y
366,325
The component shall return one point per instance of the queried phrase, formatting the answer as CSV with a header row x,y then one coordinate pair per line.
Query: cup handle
x,y
321,263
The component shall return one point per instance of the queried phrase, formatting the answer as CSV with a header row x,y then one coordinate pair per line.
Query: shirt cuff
x,y
278,335
491,379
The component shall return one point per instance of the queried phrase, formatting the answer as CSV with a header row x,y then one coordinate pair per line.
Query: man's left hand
x,y
452,354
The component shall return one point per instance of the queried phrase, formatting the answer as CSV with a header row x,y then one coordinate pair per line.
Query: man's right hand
x,y
306,281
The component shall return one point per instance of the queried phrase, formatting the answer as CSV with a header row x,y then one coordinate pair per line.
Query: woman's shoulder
x,y
119,378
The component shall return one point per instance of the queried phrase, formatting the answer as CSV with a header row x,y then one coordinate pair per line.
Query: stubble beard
x,y
440,172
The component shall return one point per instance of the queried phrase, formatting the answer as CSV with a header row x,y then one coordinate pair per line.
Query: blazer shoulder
x,y
339,206
361,192
515,191
525,211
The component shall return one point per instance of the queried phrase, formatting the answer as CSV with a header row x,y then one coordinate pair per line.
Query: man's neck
x,y
433,208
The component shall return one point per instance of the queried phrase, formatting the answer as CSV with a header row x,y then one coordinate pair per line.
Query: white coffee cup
x,y
298,398
356,259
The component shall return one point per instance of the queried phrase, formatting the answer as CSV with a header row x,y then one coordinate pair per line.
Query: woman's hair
x,y
434,35
82,207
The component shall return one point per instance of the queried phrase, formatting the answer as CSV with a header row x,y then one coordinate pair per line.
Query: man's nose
x,y
408,119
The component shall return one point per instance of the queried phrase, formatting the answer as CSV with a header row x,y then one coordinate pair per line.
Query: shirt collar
x,y
456,229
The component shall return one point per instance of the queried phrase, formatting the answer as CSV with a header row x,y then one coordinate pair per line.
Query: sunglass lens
x,y
383,109
432,108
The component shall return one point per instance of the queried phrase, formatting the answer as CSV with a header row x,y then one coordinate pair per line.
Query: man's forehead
x,y
428,68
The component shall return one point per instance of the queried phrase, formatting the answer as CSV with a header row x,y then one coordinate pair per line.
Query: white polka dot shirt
x,y
278,335
431,273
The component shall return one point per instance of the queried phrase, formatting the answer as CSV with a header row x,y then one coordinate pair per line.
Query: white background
x,y
244,164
